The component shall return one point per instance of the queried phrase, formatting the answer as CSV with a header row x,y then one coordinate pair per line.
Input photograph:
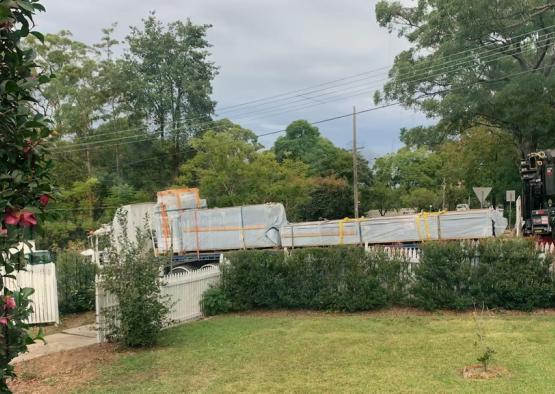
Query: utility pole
x,y
117,162
444,187
355,162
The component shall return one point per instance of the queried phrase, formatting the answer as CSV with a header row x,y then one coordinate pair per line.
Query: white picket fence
x,y
184,290
42,278
413,255
546,247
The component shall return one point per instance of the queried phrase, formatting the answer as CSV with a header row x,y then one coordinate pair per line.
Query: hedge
x,y
495,273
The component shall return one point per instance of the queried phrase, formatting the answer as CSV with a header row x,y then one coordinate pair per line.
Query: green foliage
x,y
170,76
152,99
481,343
133,276
486,358
443,276
76,282
510,274
330,198
489,65
24,170
341,278
331,168
230,170
482,156
215,302
497,273
417,177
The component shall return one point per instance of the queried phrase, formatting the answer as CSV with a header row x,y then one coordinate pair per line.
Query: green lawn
x,y
338,353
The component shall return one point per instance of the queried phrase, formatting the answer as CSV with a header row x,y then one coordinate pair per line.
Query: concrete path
x,y
66,340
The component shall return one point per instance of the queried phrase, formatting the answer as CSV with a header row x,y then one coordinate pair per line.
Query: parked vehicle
x,y
538,193
182,228
462,207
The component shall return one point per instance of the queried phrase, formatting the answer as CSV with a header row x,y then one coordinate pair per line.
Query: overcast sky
x,y
265,48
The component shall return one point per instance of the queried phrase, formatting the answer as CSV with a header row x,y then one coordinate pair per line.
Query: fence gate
x,y
42,278
185,291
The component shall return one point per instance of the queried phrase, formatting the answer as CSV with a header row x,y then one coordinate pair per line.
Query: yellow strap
x,y
342,230
426,216
427,225
342,227
418,230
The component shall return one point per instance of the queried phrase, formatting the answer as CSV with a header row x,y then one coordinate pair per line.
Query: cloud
x,y
264,48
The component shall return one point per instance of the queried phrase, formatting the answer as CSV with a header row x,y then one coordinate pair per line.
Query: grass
x,y
338,353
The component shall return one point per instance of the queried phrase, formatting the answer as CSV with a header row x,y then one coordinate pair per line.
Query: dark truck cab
x,y
537,171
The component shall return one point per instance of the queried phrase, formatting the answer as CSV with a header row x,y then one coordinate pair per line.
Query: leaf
x,y
26,292
40,336
38,35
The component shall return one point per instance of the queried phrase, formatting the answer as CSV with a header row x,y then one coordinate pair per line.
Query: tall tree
x,y
481,157
74,99
330,166
171,76
408,178
230,169
483,62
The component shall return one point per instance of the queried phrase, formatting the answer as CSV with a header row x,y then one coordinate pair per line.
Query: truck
x,y
538,193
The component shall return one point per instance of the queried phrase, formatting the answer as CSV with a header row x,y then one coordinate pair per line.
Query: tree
x,y
487,62
330,165
74,99
481,157
171,76
230,170
408,177
24,170
383,197
330,198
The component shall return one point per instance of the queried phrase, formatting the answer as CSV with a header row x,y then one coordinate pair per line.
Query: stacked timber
x,y
473,224
181,231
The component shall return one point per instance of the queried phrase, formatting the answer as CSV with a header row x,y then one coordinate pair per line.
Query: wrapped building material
x,y
183,231
471,224
181,199
324,233
135,216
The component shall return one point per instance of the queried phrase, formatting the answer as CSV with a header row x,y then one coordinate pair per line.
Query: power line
x,y
387,105
75,147
306,91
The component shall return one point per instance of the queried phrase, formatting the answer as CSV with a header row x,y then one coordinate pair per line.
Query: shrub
x,y
133,276
393,274
215,302
338,278
75,275
495,273
512,274
443,277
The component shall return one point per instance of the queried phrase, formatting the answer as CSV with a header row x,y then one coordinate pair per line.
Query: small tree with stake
x,y
24,183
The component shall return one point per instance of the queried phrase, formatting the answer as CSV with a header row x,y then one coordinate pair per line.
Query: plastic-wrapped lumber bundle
x,y
472,224
183,231
323,233
181,199
133,217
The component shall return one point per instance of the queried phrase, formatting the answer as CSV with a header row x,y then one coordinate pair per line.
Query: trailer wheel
x,y
180,270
